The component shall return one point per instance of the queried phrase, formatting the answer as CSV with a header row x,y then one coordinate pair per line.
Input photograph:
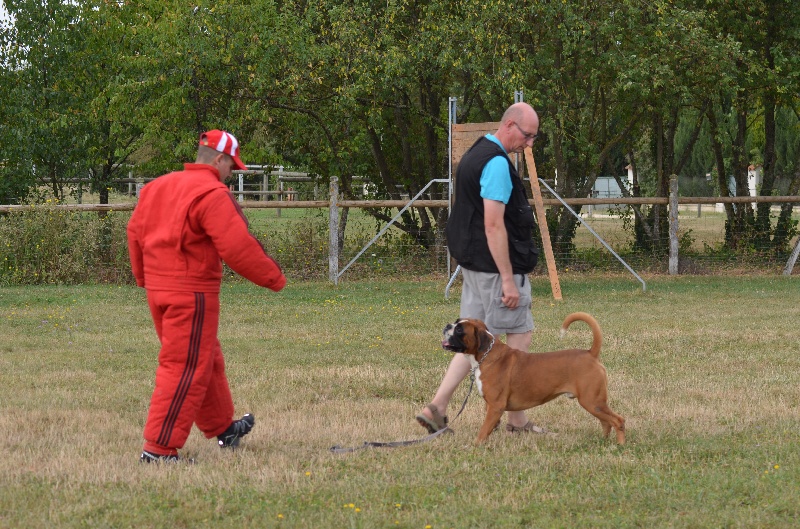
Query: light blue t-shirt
x,y
496,178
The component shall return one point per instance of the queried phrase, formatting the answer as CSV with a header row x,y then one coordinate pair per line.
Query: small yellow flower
x,y
308,473
280,516
776,467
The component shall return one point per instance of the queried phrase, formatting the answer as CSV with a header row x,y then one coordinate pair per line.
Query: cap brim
x,y
239,164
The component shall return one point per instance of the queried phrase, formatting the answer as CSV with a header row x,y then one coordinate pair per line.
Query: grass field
x,y
706,371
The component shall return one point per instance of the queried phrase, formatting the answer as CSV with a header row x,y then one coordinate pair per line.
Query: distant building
x,y
606,187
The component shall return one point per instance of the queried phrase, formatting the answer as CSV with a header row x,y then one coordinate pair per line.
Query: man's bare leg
x,y
456,372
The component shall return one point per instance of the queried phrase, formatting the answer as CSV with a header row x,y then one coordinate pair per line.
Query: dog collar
x,y
487,351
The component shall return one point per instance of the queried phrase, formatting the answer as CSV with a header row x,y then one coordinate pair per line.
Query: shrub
x,y
50,245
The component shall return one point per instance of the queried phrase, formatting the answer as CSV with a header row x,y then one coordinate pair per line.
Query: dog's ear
x,y
484,339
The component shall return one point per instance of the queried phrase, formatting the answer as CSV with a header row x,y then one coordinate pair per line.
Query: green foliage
x,y
47,245
355,88
50,245
14,187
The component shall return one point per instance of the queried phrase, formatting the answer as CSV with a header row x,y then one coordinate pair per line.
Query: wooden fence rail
x,y
366,204
334,204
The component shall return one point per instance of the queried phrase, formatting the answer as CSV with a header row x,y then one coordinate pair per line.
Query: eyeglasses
x,y
528,135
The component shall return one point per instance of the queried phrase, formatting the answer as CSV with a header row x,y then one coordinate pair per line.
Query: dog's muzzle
x,y
452,338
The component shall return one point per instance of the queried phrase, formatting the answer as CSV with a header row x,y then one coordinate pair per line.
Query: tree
x,y
42,94
606,73
62,65
358,92
766,79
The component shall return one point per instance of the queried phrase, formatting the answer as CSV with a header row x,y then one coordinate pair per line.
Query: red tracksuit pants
x,y
191,386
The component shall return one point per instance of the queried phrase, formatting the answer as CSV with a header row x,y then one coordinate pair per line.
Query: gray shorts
x,y
482,298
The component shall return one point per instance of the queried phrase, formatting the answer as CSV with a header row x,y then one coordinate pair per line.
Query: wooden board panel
x,y
465,134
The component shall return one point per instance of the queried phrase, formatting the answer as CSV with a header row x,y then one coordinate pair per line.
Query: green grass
x,y
705,369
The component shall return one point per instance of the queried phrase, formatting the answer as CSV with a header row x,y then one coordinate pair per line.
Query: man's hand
x,y
510,293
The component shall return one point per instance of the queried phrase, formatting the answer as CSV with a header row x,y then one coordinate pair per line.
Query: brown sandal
x,y
438,422
528,428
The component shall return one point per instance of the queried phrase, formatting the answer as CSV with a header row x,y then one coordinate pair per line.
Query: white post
x,y
241,187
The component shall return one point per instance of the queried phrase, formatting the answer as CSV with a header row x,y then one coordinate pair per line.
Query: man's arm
x,y
223,220
497,238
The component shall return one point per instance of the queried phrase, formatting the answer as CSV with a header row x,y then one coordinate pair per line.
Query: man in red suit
x,y
184,225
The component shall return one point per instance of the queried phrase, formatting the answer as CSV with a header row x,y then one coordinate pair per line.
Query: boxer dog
x,y
512,380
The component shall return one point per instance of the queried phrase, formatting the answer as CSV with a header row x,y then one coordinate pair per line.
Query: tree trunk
x,y
719,160
762,220
743,212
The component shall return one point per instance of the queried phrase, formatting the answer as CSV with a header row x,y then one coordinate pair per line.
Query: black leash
x,y
395,444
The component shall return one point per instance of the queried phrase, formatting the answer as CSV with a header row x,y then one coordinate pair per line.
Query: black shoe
x,y
237,430
149,457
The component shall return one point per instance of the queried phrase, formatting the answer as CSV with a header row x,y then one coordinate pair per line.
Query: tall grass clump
x,y
49,245
300,242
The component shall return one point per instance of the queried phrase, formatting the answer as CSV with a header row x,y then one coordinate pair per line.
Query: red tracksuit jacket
x,y
183,224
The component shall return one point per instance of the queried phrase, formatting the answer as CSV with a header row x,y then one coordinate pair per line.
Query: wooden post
x,y
542,218
673,225
280,197
279,187
333,231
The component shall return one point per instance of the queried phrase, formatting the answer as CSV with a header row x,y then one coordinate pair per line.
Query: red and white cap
x,y
223,142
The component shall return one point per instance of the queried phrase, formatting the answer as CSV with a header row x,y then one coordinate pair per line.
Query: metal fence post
x,y
787,271
673,225
333,231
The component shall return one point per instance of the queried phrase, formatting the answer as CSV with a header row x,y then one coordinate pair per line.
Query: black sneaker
x,y
237,430
149,457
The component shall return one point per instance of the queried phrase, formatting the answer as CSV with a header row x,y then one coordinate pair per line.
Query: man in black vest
x,y
490,234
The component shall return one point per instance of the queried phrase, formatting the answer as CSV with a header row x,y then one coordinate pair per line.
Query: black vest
x,y
466,233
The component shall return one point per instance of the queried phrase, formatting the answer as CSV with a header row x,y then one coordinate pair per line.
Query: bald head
x,y
518,112
519,127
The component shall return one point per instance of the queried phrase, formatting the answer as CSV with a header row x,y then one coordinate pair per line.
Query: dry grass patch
x,y
705,370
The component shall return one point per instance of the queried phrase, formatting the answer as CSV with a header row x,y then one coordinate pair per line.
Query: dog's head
x,y
468,336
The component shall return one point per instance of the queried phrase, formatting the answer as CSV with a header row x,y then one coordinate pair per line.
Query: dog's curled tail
x,y
597,336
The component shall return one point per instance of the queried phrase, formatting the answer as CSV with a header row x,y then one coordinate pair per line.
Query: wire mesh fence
x,y
86,243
